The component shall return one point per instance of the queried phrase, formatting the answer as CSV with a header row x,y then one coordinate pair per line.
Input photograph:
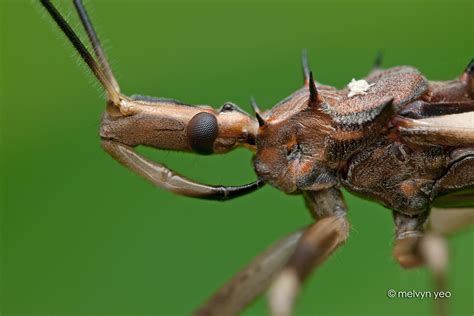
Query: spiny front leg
x,y
167,124
165,178
315,246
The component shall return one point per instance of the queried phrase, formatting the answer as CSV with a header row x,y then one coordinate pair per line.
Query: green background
x,y
82,235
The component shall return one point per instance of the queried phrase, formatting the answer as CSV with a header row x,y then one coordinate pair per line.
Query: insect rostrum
x,y
393,137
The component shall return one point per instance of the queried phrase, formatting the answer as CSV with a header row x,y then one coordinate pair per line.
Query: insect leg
x,y
163,177
434,250
448,221
413,248
450,130
455,187
252,280
409,231
317,244
446,119
442,222
94,39
168,124
422,109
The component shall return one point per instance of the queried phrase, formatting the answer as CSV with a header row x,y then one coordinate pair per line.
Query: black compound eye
x,y
201,133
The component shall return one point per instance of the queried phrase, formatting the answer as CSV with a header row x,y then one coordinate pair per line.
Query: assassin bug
x,y
394,137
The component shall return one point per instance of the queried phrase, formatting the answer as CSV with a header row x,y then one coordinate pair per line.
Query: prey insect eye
x,y
201,133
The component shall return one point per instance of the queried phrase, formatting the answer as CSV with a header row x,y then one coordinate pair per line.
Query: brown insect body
x,y
399,139
356,142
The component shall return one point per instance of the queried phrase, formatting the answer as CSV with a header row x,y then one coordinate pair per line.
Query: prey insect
x,y
393,137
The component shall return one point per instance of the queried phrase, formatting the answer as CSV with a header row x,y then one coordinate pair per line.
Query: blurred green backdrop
x,y
82,235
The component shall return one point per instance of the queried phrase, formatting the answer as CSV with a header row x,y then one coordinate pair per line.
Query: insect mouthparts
x,y
358,87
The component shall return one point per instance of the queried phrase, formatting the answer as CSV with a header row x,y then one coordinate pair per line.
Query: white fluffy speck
x,y
358,87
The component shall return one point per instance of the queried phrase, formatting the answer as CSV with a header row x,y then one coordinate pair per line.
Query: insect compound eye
x,y
201,133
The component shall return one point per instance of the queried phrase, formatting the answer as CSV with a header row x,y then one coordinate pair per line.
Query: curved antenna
x,y
113,94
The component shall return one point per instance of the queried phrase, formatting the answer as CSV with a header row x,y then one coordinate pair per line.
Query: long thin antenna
x,y
113,95
94,39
